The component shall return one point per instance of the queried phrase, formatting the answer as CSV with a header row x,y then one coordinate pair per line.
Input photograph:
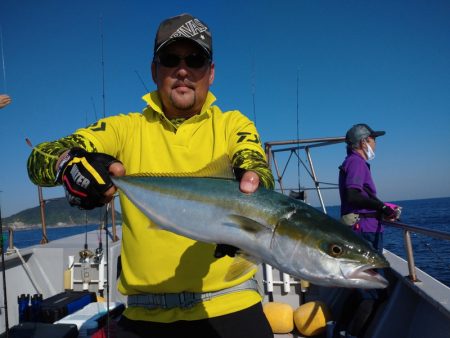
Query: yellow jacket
x,y
157,261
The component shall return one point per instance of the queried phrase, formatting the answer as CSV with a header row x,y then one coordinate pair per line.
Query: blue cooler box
x,y
41,330
63,304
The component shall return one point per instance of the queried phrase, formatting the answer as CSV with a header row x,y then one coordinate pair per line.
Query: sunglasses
x,y
191,60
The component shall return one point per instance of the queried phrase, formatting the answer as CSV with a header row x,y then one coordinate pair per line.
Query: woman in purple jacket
x,y
360,206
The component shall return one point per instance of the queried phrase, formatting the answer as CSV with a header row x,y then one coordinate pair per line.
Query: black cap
x,y
359,132
183,26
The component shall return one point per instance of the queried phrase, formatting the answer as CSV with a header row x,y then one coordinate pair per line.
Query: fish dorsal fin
x,y
220,168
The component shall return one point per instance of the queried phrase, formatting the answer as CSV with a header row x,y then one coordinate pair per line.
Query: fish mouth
x,y
368,274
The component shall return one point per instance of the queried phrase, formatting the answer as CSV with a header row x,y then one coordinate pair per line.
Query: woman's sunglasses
x,y
192,60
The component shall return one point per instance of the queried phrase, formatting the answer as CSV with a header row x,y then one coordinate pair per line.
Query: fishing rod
x,y
304,285
2,246
103,66
142,81
105,226
95,110
5,298
3,59
99,251
298,137
42,202
253,89
106,211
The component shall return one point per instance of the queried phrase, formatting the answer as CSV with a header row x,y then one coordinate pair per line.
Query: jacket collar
x,y
154,102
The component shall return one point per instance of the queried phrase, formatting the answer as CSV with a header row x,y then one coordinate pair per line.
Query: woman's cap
x,y
359,132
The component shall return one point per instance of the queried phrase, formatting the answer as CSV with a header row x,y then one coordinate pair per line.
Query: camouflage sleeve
x,y
41,164
252,160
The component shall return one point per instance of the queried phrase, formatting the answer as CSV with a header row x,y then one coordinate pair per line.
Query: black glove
x,y
238,173
85,177
223,250
387,212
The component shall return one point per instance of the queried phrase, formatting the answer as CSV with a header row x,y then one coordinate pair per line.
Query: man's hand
x,y
249,182
4,100
86,177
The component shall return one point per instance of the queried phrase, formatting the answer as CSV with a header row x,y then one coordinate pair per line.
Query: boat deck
x,y
411,309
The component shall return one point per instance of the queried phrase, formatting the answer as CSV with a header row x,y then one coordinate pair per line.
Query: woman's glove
x,y
388,213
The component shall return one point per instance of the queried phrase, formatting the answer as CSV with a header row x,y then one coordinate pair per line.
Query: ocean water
x,y
430,255
25,238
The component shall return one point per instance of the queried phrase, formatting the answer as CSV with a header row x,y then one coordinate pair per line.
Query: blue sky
x,y
385,63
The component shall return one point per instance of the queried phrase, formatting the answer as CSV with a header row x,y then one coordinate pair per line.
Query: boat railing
x,y
44,240
294,147
407,230
42,203
11,238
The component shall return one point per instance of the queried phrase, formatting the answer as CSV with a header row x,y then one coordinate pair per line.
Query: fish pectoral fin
x,y
241,266
247,224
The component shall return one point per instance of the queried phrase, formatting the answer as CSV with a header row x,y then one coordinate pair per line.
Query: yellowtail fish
x,y
266,226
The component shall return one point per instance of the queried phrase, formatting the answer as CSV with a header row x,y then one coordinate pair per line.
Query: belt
x,y
184,299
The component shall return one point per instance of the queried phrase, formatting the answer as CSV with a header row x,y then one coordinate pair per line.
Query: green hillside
x,y
58,213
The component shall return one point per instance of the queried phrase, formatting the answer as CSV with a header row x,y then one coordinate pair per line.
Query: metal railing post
x,y
314,177
410,256
44,239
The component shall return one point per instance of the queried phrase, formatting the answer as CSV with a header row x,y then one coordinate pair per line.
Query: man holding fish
x,y
186,211
175,285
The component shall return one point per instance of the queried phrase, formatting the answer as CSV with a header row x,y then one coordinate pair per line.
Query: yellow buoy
x,y
280,316
311,318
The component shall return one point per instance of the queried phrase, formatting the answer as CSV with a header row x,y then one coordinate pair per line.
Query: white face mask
x,y
369,153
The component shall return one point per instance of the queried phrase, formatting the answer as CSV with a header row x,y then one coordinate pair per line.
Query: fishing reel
x,y
85,260
98,255
85,255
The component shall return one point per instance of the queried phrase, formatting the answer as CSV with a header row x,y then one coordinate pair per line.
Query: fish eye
x,y
335,250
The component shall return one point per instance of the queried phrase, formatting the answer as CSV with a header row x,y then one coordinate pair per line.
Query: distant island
x,y
58,213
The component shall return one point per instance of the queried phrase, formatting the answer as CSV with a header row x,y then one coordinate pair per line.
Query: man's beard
x,y
182,106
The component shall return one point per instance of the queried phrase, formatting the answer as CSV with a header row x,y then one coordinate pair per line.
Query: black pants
x,y
248,323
